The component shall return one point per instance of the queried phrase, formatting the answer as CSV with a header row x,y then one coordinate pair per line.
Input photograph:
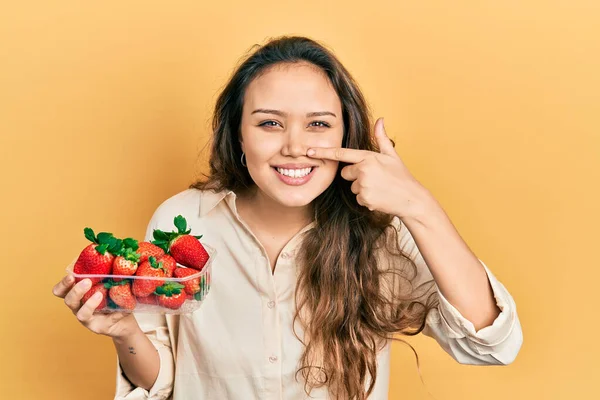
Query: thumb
x,y
385,144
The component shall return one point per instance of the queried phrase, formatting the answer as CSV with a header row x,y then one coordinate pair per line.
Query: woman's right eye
x,y
268,123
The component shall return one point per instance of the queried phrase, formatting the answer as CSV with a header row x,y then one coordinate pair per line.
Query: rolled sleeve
x,y
154,326
497,343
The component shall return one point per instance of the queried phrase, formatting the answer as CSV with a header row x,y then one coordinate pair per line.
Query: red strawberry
x,y
152,299
147,249
192,286
90,261
99,287
120,294
169,264
185,248
126,263
171,295
151,268
122,266
188,251
98,257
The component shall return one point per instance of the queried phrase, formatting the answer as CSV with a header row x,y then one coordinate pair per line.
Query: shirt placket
x,y
271,331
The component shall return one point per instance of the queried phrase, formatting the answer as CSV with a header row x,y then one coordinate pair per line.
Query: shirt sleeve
x,y
496,344
156,329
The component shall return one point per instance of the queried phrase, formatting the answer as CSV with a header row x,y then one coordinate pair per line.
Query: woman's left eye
x,y
323,124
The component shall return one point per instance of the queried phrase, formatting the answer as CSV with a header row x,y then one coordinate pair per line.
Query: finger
x,y
355,187
385,144
361,200
338,154
62,288
350,172
73,298
86,311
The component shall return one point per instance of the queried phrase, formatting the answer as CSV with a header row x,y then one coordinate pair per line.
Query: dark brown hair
x,y
355,287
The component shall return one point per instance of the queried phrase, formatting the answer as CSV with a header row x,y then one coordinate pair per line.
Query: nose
x,y
295,142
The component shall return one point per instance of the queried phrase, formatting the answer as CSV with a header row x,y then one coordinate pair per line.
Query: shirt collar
x,y
211,199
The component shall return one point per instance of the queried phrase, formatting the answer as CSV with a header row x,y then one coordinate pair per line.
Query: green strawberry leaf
x,y
131,255
115,246
159,290
198,237
104,237
131,243
198,296
160,235
180,223
89,235
102,248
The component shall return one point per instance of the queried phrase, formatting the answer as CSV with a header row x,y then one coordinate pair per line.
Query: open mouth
x,y
294,173
295,176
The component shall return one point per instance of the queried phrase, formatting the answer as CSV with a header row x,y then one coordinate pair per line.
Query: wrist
x,y
127,334
424,207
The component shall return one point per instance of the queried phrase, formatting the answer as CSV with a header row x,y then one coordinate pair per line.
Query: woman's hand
x,y
117,325
381,181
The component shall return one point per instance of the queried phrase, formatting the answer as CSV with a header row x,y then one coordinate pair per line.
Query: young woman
x,y
327,248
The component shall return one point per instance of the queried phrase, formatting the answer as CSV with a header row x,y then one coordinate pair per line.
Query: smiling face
x,y
287,110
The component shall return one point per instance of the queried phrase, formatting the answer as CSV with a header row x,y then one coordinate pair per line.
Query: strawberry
x,y
152,299
192,286
171,295
186,249
147,249
127,262
99,287
150,268
169,264
97,258
120,294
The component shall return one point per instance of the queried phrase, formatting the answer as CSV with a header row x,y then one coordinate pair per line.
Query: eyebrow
x,y
283,114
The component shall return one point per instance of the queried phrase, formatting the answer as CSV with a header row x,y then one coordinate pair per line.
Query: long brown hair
x,y
355,286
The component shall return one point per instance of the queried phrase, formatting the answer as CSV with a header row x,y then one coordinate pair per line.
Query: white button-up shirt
x,y
240,345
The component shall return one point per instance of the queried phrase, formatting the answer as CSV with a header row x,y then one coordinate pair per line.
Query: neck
x,y
271,214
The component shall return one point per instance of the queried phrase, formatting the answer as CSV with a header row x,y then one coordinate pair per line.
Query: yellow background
x,y
494,106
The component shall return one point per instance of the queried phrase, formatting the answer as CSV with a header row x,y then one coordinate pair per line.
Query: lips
x,y
301,179
295,166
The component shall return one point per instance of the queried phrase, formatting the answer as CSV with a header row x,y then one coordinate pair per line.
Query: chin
x,y
296,197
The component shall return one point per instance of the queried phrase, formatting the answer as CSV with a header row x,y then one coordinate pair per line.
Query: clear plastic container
x,y
191,304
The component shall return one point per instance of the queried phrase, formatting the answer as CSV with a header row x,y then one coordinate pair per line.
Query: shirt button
x,y
273,359
271,304
285,255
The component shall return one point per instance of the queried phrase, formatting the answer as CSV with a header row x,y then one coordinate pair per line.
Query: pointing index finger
x,y
338,154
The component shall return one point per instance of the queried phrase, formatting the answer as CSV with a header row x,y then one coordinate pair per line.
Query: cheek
x,y
259,151
328,140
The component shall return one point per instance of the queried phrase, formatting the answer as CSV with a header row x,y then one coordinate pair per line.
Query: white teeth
x,y
294,173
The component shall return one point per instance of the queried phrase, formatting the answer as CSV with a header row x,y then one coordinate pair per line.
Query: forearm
x,y
139,359
457,271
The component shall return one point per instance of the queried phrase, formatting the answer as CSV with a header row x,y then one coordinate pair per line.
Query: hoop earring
x,y
243,159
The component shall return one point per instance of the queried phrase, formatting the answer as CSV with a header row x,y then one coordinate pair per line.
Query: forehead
x,y
299,87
